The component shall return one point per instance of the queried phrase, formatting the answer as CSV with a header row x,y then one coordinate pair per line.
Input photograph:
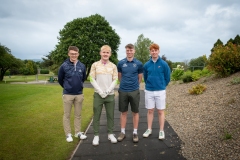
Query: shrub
x,y
224,60
206,72
227,135
197,89
235,80
44,71
196,75
7,73
177,73
187,77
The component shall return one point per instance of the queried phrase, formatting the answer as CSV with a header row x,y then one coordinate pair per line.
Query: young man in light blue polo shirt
x,y
130,71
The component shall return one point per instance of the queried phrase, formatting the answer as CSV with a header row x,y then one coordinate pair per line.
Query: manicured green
x,y
24,78
31,122
28,78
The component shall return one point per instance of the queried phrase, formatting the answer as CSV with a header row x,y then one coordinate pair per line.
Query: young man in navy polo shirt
x,y
130,72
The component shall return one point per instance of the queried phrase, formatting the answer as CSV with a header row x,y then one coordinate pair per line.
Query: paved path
x,y
146,149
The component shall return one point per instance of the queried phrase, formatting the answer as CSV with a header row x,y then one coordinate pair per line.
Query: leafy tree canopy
x,y
198,63
236,40
230,41
142,48
89,34
225,59
7,61
219,42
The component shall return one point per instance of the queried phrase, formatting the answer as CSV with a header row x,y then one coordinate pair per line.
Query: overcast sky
x,y
184,29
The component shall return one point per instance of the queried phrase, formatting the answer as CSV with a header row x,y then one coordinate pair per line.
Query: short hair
x,y
131,46
154,46
107,47
73,48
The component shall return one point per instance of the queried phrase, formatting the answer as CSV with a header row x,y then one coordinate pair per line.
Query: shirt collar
x,y
134,60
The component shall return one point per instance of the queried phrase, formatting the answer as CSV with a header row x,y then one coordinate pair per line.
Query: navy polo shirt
x,y
129,70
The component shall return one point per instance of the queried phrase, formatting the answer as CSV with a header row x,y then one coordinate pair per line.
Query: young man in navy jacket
x,y
71,75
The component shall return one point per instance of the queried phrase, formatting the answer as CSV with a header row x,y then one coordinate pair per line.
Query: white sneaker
x,y
69,137
112,138
147,133
80,135
95,141
161,135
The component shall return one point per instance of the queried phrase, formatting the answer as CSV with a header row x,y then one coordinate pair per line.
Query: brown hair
x,y
131,46
154,46
73,48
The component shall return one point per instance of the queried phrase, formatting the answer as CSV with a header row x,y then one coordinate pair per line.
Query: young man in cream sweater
x,y
104,77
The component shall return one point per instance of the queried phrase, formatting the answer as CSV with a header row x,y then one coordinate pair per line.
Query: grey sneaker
x,y
135,138
121,137
80,135
69,137
147,133
161,135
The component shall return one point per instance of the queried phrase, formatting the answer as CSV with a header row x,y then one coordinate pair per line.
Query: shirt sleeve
x,y
140,68
93,79
145,73
114,78
119,68
167,74
115,73
93,71
61,76
84,73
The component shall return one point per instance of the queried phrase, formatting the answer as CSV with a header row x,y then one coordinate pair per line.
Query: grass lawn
x,y
23,78
31,124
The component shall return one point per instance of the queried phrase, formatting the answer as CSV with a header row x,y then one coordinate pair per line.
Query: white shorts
x,y
155,98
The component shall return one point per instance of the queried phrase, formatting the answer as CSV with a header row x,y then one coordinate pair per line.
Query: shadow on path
x,y
150,148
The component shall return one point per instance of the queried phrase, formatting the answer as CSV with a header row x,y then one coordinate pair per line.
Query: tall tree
x,y
30,67
198,63
89,34
170,63
236,40
7,61
142,48
219,42
230,41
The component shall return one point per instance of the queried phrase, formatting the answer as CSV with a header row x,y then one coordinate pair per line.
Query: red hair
x,y
154,46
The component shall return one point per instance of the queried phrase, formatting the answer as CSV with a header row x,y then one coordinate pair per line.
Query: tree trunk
x,y
2,74
88,71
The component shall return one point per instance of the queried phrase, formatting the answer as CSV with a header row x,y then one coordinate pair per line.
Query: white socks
x,y
134,131
123,130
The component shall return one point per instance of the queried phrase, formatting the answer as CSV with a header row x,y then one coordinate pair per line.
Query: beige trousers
x,y
68,102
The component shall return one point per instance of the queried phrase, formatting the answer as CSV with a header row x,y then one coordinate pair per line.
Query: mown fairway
x,y
31,122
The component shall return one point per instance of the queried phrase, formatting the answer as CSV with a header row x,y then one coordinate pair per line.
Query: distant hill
x,y
35,60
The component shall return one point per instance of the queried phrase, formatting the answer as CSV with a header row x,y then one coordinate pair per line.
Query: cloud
x,y
184,29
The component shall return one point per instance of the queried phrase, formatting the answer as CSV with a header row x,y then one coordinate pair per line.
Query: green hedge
x,y
44,71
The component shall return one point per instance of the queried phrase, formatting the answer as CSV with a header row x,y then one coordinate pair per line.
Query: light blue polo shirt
x,y
129,70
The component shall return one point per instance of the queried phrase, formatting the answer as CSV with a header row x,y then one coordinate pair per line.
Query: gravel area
x,y
203,121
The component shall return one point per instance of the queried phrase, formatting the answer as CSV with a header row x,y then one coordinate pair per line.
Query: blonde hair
x,y
106,47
